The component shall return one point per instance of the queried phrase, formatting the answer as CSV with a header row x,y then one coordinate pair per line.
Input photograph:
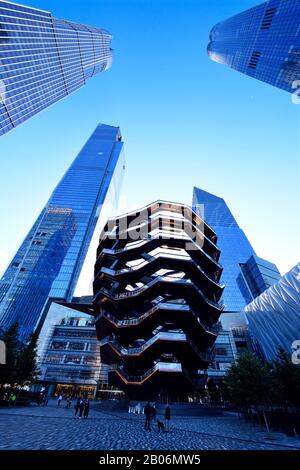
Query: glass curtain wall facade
x,y
69,353
44,59
50,259
234,245
262,42
225,354
245,275
259,275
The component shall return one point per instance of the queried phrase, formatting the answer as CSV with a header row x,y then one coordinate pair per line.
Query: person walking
x,y
167,418
76,407
148,413
153,413
59,400
86,409
13,399
69,402
81,407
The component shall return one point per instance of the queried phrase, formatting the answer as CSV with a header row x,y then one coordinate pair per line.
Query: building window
x,y
268,18
254,59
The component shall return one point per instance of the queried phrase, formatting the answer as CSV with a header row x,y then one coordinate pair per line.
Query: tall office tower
x,y
156,299
49,261
244,274
43,59
274,316
262,42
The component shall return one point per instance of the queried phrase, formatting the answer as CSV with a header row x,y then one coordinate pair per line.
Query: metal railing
x,y
127,294
213,329
164,336
157,236
164,254
161,366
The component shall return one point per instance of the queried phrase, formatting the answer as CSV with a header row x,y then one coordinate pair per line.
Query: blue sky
x,y
185,121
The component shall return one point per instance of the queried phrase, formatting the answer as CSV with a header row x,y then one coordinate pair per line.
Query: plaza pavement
x,y
54,428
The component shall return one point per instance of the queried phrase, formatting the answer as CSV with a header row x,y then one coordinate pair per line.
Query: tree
x,y
26,366
21,359
10,338
286,378
248,382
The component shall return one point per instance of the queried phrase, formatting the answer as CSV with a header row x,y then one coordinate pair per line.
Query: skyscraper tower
x,y
50,259
262,42
44,59
244,274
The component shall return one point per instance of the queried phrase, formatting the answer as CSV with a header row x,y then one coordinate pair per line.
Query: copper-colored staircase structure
x,y
156,299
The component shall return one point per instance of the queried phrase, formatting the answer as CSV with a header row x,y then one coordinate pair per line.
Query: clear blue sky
x,y
185,121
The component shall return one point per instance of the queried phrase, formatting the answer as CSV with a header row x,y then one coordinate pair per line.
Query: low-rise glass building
x,y
69,353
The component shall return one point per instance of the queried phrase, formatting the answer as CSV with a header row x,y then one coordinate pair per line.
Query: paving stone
x,y
54,427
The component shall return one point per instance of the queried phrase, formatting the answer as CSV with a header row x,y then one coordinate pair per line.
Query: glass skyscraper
x,y
244,274
262,42
49,261
43,59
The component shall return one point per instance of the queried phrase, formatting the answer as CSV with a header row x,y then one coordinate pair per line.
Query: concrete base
x,y
182,409
190,409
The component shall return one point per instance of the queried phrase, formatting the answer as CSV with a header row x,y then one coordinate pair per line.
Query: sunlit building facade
x,y
44,59
258,275
69,353
234,245
274,316
245,275
49,262
262,42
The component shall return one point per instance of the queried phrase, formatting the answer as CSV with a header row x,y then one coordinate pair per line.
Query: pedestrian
x,y
59,400
69,402
148,412
138,408
13,399
153,413
76,407
81,407
167,418
86,409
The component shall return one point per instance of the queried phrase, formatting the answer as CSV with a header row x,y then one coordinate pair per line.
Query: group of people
x,y
68,399
150,414
82,408
10,398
